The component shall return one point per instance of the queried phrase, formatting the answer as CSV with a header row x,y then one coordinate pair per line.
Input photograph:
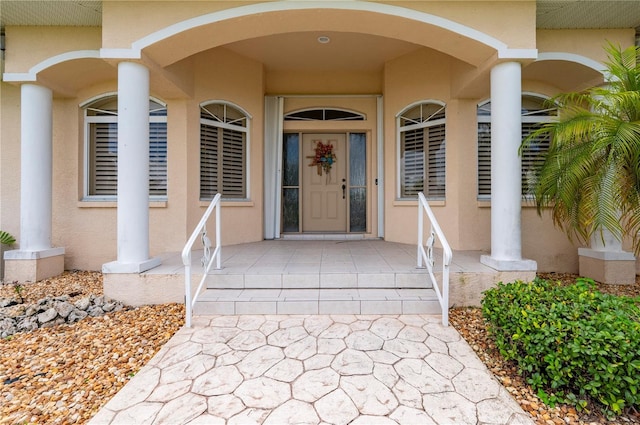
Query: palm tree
x,y
590,176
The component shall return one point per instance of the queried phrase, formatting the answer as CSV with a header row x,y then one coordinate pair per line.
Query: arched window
x,y
535,112
421,137
224,144
324,114
101,129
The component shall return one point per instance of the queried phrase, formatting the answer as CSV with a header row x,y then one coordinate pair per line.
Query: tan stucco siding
x,y
488,17
127,21
221,75
10,159
28,46
416,77
587,43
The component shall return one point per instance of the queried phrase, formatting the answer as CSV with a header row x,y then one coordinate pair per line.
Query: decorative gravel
x,y
66,373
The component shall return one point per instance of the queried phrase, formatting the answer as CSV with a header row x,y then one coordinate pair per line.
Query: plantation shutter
x,y
412,147
208,161
158,159
532,157
223,151
536,111
233,160
101,120
103,175
436,162
484,160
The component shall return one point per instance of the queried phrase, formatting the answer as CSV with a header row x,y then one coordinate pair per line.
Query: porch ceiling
x,y
304,51
567,76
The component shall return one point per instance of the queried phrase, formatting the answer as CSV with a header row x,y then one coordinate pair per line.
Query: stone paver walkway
x,y
319,369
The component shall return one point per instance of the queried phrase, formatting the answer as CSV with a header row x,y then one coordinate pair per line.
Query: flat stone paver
x,y
321,369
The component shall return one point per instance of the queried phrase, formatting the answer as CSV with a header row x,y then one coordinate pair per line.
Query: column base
x,y
139,267
32,266
611,267
137,289
509,265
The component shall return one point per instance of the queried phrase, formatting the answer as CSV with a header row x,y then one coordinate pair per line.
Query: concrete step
x,y
318,301
417,278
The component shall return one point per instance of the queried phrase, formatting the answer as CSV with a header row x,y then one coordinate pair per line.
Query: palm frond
x,y
589,178
6,238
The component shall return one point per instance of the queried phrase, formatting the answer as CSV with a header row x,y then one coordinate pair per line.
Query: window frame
x,y
224,125
422,124
113,118
526,118
349,114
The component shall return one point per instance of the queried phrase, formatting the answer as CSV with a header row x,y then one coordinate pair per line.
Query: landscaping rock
x,y
8,302
83,303
63,308
76,315
95,311
27,324
50,311
47,316
7,327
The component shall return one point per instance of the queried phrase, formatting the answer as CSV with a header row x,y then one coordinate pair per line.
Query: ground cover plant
x,y
572,343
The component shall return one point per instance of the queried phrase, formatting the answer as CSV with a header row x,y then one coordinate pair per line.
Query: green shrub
x,y
573,344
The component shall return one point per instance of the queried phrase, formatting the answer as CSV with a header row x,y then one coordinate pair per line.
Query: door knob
x,y
344,195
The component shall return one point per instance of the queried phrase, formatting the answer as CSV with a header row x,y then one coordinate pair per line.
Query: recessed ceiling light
x,y
323,39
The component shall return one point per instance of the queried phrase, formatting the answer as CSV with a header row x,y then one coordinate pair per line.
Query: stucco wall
x,y
28,46
466,221
588,43
190,69
10,159
415,77
223,75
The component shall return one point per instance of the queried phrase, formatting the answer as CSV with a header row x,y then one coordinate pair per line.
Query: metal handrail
x,y
207,258
426,255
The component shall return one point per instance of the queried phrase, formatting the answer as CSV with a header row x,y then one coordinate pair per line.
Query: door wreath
x,y
324,157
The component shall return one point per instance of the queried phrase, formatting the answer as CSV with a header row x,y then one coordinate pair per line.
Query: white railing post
x,y
187,294
218,239
426,255
207,259
420,232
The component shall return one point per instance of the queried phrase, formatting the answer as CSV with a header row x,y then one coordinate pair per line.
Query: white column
x,y
36,173
133,171
36,159
506,186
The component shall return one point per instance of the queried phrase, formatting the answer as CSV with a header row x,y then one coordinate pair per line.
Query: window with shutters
x,y
101,170
422,145
535,112
223,151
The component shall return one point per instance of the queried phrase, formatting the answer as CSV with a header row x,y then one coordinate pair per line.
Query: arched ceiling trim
x,y
457,30
571,57
32,74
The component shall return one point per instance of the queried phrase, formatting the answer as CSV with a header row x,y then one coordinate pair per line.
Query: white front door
x,y
324,183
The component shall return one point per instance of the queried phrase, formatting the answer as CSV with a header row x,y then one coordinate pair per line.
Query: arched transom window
x,y
324,114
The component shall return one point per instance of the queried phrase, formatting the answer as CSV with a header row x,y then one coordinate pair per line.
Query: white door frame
x,y
273,132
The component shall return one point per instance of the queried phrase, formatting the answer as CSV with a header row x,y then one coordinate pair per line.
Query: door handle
x,y
344,193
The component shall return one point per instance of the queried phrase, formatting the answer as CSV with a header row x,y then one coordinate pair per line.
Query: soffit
x,y
551,14
577,14
75,13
